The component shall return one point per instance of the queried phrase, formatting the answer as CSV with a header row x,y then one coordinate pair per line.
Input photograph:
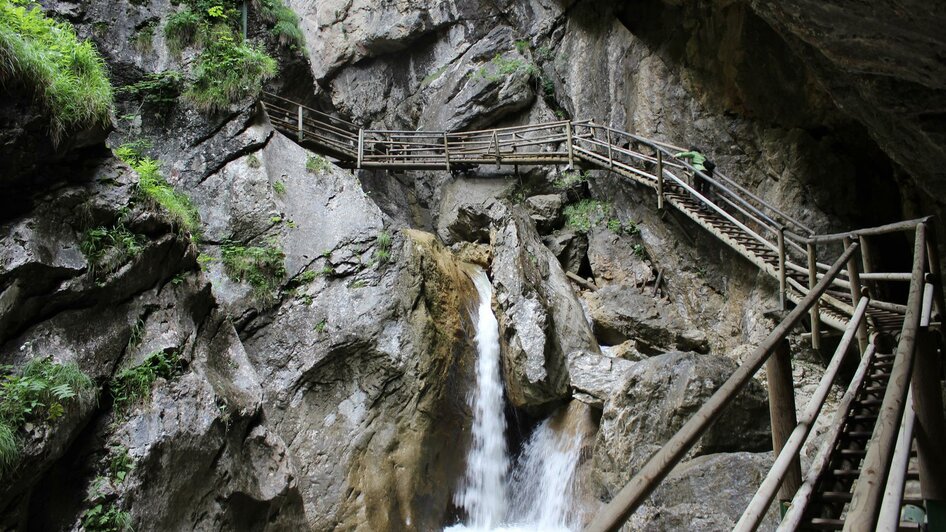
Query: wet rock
x,y
540,318
570,247
706,494
467,209
659,395
595,377
621,313
546,211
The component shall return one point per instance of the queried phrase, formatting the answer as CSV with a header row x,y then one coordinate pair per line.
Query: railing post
x,y
446,150
299,124
610,152
814,313
855,280
930,428
361,146
660,179
778,373
496,143
571,147
867,263
782,280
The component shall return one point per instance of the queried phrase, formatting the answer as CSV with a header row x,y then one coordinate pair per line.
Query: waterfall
x,y
537,495
483,493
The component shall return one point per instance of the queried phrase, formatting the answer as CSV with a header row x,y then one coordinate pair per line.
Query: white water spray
x,y
542,483
483,493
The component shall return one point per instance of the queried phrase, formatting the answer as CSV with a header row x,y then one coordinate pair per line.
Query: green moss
x,y
68,77
132,385
316,164
226,72
569,179
262,267
39,393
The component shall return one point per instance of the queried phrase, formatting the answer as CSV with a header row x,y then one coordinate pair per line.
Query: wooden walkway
x,y
845,295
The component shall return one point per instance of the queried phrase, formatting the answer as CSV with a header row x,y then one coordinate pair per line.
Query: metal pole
x,y
869,488
660,179
814,314
612,516
782,282
854,278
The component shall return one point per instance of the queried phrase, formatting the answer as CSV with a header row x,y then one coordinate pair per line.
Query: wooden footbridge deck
x,y
890,424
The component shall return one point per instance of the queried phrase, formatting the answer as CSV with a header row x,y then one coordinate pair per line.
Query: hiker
x,y
700,163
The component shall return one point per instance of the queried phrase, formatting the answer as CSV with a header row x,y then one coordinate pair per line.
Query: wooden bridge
x,y
889,426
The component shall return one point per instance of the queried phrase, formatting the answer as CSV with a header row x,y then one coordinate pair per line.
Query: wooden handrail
x,y
612,516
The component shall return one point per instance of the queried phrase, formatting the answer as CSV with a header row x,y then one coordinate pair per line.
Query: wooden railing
x,y
845,294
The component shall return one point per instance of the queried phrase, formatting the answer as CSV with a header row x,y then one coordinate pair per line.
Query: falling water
x,y
543,479
483,493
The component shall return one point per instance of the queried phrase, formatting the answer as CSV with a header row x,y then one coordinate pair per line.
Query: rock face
x,y
540,319
658,396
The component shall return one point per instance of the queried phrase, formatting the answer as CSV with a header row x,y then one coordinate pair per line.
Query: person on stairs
x,y
700,163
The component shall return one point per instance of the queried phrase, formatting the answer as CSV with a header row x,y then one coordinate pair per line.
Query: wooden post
x,y
361,146
854,278
496,143
610,152
660,179
867,263
814,314
782,280
446,150
778,372
571,147
243,23
930,428
299,123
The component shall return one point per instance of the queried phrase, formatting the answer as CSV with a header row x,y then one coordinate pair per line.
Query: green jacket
x,y
697,159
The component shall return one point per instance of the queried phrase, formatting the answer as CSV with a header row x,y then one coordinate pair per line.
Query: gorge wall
x,y
335,396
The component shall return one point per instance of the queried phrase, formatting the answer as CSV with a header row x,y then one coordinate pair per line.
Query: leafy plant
x,y
153,187
279,187
67,76
227,71
569,179
181,30
159,88
639,251
285,23
522,46
106,518
40,392
253,161
110,248
585,214
316,164
133,384
320,326
137,333
144,37
262,267
382,252
501,67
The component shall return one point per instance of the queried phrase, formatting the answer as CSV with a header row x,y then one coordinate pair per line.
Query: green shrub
x,y
160,88
106,518
144,37
181,30
585,214
132,385
285,23
570,179
69,77
227,72
153,187
110,248
40,392
316,164
262,267
279,187
501,67
382,253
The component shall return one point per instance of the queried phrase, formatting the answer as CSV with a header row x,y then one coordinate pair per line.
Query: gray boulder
x,y
659,395
546,211
595,377
569,246
540,318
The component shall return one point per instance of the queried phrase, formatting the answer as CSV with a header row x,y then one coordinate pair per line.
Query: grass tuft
x,y
227,72
109,248
262,267
132,385
69,77
181,30
585,214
